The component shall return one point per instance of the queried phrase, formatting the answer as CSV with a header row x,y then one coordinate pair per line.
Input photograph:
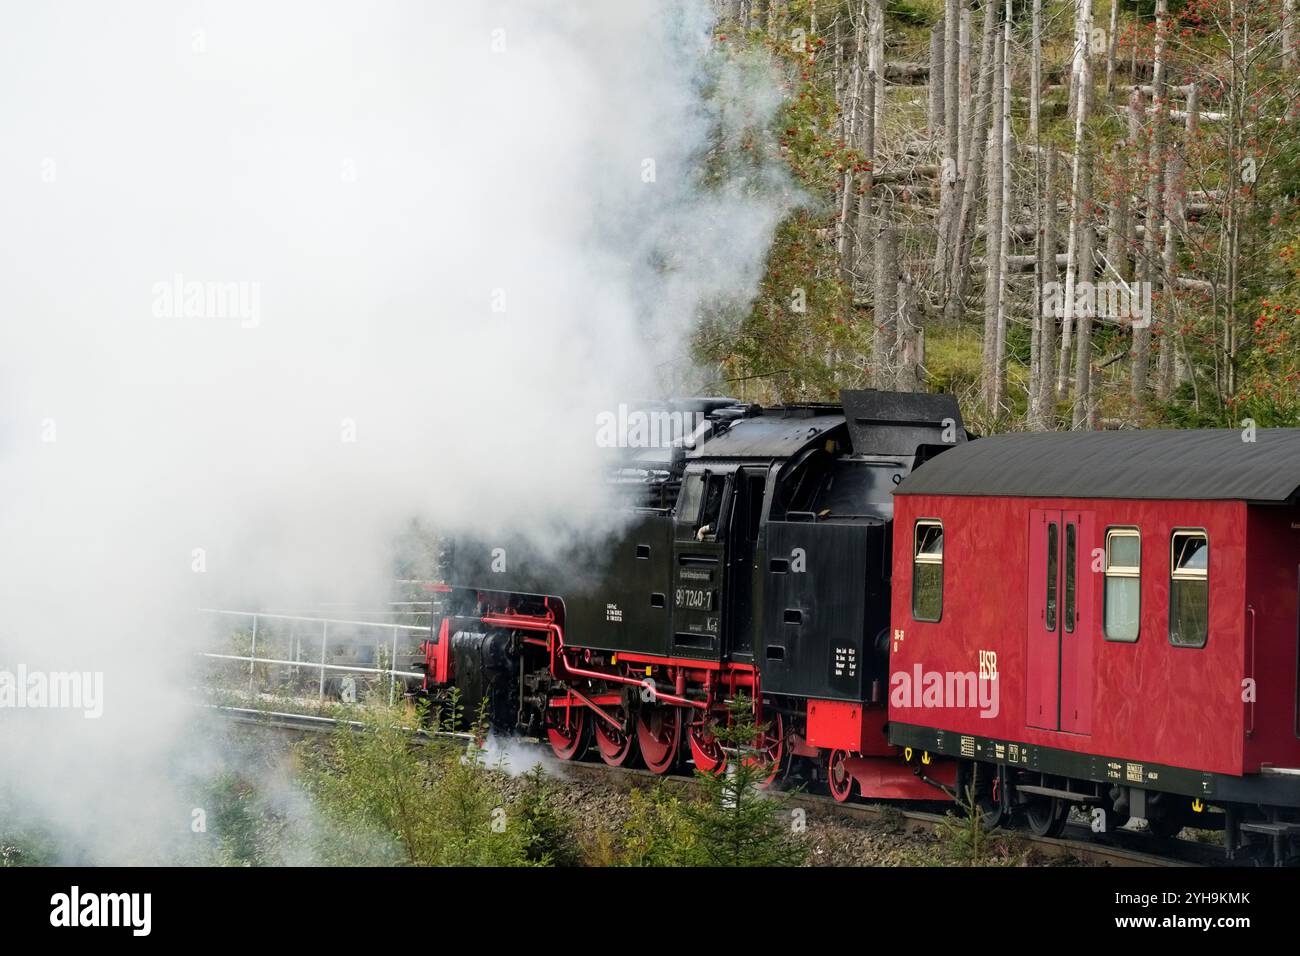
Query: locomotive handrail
x,y
329,667
315,620
253,660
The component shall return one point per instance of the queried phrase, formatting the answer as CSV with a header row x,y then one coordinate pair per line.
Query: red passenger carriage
x,y
1122,608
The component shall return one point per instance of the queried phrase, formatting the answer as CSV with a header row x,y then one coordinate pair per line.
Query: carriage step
x,y
1053,792
1272,829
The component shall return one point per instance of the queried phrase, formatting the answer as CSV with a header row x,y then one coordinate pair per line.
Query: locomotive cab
x,y
716,529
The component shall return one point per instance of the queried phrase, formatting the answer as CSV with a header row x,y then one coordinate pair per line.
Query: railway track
x,y
1123,848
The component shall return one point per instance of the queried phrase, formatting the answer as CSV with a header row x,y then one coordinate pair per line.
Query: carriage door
x,y
1060,621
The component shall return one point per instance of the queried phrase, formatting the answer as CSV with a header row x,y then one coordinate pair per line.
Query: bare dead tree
x,y
993,235
1007,152
1136,111
844,251
1288,34
885,333
936,88
1155,166
876,55
965,221
1112,39
1082,69
963,84
910,344
1046,391
1175,214
864,227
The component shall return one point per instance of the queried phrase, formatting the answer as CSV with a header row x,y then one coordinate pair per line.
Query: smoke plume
x,y
278,278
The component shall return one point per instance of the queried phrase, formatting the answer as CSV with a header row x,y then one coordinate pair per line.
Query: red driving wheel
x,y
567,731
706,749
659,732
770,745
617,747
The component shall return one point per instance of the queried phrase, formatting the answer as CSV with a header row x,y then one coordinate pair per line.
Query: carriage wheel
x,y
838,776
659,732
986,784
567,731
1046,816
706,749
617,747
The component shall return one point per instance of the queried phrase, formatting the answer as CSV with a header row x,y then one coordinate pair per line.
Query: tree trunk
x,y
993,237
1036,71
1111,41
1288,34
936,104
1047,274
1080,417
843,246
1175,221
1082,70
1136,111
951,71
965,223
885,332
940,68
864,230
876,56
1004,226
909,342
1150,265
963,85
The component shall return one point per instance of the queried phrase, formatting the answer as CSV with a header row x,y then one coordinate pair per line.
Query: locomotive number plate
x,y
694,599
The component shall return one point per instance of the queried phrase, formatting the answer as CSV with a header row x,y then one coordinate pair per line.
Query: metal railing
x,y
323,665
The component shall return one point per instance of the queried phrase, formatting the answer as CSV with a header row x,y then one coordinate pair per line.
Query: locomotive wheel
x,y
770,745
838,776
659,731
1046,816
567,731
617,747
706,750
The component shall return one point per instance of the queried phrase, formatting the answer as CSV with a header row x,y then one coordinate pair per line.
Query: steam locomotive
x,y
1099,621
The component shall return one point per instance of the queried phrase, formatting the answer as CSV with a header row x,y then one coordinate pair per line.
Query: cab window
x,y
700,506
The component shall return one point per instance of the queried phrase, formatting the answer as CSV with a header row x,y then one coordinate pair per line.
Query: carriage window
x,y
1052,576
1189,589
1069,579
927,571
1123,584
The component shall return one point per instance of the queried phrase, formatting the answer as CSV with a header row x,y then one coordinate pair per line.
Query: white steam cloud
x,y
417,246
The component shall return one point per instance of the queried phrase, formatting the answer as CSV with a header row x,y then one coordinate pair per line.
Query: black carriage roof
x,y
1208,464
